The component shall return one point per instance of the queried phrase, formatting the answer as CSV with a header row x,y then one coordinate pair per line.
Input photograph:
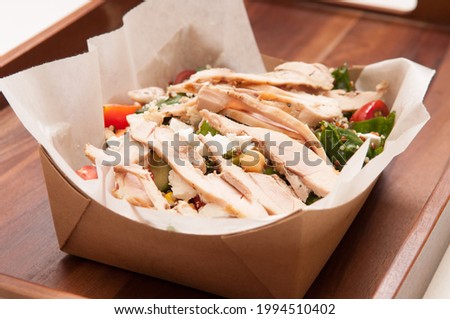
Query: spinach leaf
x,y
312,198
382,125
342,78
339,144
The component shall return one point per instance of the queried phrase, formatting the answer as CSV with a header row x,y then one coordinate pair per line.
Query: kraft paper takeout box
x,y
276,257
280,260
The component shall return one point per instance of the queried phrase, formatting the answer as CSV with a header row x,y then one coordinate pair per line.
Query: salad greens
x,y
171,100
312,198
382,125
341,143
342,78
205,128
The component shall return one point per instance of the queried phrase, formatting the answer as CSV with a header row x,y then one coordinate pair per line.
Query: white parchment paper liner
x,y
60,103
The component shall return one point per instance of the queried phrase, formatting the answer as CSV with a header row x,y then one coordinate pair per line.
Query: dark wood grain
x,y
365,264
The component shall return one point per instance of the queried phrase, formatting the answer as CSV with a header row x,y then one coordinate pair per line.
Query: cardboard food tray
x,y
280,260
236,258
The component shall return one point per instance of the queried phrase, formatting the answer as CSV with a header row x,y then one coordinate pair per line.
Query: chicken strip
x,y
351,101
254,119
314,172
134,192
216,99
307,108
291,75
266,189
211,188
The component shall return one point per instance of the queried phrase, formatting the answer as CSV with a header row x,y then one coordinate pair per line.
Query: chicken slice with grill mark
x,y
115,154
314,172
351,101
140,130
281,195
265,190
297,186
216,99
211,188
146,95
128,187
307,108
135,184
254,119
262,188
291,74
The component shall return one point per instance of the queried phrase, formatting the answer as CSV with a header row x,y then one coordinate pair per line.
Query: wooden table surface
x,y
377,253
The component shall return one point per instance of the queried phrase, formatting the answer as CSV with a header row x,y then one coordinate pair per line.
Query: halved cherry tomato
x,y
87,172
183,75
116,115
369,111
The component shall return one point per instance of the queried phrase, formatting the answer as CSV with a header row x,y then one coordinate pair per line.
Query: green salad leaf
x,y
339,144
382,125
205,128
342,78
171,100
312,198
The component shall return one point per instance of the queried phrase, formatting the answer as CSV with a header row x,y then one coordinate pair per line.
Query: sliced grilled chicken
x,y
291,74
313,171
351,101
212,188
180,188
300,189
183,208
254,119
212,210
265,190
146,95
130,188
216,99
297,186
93,153
134,192
262,188
115,155
276,189
140,128
315,75
308,108
186,111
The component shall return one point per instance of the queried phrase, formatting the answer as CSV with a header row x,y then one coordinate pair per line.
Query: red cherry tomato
x,y
369,111
183,75
87,172
116,115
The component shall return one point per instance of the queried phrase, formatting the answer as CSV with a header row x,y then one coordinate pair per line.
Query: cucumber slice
x,y
160,170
